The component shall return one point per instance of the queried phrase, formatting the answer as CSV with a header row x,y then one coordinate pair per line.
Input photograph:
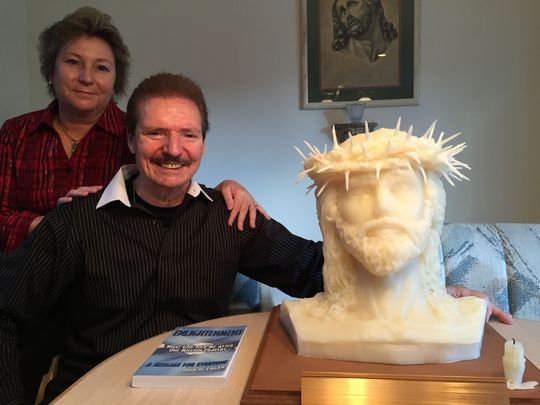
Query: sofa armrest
x,y
521,246
474,257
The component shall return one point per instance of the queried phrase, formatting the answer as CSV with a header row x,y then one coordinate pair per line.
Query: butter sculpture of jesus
x,y
380,204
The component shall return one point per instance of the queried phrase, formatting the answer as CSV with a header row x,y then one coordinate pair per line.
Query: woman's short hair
x,y
85,21
165,85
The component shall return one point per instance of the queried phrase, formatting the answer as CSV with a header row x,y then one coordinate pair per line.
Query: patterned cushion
x,y
521,244
474,257
245,295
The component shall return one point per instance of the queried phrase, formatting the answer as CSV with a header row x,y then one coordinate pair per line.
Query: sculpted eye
x,y
401,188
405,187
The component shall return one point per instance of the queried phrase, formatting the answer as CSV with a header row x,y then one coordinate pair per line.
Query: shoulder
x,y
211,200
214,194
81,207
24,121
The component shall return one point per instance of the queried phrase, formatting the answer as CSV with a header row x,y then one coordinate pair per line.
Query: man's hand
x,y
240,202
458,291
78,192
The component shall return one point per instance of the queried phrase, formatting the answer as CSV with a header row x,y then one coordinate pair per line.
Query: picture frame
x,y
339,68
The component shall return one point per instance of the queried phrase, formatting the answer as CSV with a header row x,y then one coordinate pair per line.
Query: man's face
x,y
168,146
384,223
355,15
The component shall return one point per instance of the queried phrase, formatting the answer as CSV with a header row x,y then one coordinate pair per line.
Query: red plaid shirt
x,y
35,170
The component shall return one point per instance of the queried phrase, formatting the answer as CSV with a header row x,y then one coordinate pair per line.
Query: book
x,y
191,357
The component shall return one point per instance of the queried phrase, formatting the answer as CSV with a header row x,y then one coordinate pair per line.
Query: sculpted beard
x,y
386,245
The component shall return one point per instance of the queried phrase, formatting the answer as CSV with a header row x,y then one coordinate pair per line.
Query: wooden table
x,y
110,381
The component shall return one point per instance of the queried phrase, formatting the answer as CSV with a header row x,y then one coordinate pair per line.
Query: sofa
x,y
502,260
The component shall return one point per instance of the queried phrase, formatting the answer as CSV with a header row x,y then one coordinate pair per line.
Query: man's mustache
x,y
387,223
171,160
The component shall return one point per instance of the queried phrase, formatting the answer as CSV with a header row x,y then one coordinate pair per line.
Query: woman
x,y
76,144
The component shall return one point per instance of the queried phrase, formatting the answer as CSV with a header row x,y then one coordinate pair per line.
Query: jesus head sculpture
x,y
380,196
380,202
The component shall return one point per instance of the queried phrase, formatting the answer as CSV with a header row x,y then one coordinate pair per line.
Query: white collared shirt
x,y
116,189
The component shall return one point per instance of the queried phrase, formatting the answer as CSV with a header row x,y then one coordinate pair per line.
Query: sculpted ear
x,y
329,210
327,204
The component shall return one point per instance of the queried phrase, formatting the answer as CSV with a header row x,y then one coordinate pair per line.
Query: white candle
x,y
514,361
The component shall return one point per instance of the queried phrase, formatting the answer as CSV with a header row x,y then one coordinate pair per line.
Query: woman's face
x,y
84,75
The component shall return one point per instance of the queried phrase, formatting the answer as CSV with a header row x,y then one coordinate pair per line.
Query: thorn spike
x,y
300,152
423,173
310,147
408,164
309,188
409,132
322,188
351,143
429,133
334,138
364,151
448,179
451,137
389,145
440,137
396,131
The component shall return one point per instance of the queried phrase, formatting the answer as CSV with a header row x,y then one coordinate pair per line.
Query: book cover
x,y
191,357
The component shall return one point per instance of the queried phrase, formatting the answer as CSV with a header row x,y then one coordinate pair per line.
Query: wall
x,y
478,75
14,89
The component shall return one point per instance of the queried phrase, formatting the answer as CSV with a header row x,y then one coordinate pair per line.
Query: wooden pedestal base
x,y
276,374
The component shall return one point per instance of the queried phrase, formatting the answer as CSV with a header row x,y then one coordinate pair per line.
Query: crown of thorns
x,y
383,149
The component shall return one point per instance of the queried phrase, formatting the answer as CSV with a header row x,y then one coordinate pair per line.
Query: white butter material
x,y
380,204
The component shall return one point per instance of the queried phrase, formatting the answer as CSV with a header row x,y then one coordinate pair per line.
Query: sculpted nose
x,y
384,201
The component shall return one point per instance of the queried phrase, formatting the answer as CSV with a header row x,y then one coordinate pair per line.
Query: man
x,y
381,202
151,252
361,28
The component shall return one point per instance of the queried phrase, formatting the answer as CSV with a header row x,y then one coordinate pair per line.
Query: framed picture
x,y
359,48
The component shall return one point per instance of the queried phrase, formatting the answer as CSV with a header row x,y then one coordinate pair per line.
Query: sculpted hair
x,y
383,149
165,85
85,21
